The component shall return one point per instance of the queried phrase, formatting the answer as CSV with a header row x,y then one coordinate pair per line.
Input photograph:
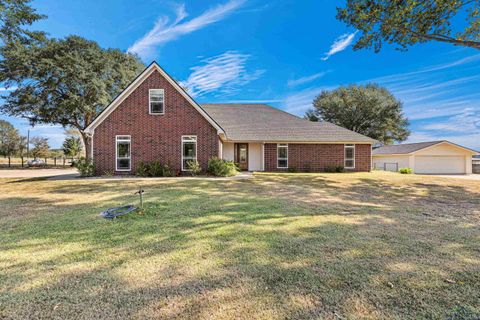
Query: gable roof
x,y
134,84
408,148
263,123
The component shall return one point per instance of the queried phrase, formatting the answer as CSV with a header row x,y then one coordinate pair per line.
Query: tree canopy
x,y
370,110
407,22
65,81
15,15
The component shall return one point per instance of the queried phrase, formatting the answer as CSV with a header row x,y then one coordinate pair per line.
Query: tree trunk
x,y
87,143
9,161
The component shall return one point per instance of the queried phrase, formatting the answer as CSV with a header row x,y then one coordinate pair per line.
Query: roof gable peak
x,y
153,66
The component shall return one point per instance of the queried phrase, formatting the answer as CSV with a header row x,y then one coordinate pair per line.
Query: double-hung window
x,y
189,150
156,98
123,153
349,156
282,156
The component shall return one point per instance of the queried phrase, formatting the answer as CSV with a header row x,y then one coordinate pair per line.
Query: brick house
x,y
155,119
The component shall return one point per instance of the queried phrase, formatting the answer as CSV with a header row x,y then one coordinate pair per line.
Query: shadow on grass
x,y
277,247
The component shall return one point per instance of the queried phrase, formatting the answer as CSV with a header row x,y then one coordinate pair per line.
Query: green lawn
x,y
334,246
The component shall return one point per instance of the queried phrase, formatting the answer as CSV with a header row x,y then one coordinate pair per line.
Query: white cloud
x,y
340,44
466,121
223,74
408,75
307,79
438,109
4,89
164,31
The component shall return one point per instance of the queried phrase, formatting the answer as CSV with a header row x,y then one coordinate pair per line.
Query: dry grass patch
x,y
367,245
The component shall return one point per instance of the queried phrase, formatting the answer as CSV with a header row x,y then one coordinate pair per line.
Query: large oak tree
x,y
370,110
57,81
407,22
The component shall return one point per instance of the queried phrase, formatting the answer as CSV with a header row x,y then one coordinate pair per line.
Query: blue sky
x,y
275,52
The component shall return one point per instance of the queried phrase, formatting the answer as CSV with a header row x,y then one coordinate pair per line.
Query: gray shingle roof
x,y
404,148
260,122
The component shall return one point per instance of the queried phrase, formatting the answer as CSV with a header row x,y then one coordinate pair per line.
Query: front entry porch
x,y
241,155
247,155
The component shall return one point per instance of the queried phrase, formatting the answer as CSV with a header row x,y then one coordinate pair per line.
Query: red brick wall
x,y
315,157
153,137
363,157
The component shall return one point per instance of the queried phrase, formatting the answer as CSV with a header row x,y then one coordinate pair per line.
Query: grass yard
x,y
279,246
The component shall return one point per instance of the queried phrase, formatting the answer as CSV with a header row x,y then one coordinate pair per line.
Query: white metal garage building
x,y
435,157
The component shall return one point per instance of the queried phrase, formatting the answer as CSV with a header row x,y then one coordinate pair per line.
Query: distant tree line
x,y
12,144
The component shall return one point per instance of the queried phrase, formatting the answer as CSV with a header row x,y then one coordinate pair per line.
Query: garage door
x,y
439,165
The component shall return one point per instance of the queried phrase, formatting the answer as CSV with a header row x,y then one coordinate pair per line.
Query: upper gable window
x,y
156,101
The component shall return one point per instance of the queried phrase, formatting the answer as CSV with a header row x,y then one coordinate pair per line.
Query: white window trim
x,y
283,145
150,102
116,152
196,147
348,146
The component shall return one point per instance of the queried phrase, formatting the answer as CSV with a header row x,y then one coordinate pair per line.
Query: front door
x,y
241,155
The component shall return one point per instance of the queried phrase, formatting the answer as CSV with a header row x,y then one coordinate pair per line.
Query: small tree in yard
x,y
40,149
9,140
72,146
370,110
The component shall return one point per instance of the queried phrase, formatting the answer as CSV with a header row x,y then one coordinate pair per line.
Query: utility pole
x,y
28,142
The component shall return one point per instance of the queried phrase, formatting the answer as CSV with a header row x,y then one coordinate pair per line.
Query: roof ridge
x,y
256,104
412,143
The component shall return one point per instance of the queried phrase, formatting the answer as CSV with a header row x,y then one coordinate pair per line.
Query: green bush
x,y
193,167
142,169
153,169
292,170
167,171
85,167
332,169
221,168
108,173
405,171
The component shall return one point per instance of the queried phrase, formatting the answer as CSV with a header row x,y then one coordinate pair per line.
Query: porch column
x,y
263,156
220,149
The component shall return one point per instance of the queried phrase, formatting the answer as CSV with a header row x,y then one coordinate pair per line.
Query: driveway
x,y
57,174
461,176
